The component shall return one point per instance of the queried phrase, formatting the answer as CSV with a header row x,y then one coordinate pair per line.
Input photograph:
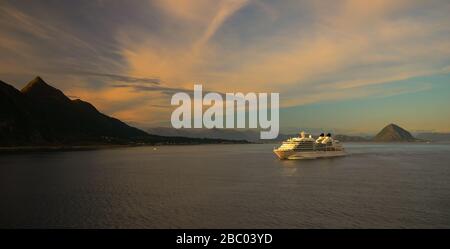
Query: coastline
x,y
25,149
60,148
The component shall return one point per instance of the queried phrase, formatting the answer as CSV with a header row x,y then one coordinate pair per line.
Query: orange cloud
x,y
293,47
359,33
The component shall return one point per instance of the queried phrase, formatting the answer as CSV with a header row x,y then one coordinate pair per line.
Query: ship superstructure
x,y
306,147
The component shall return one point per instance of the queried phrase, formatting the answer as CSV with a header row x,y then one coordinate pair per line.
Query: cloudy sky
x,y
353,65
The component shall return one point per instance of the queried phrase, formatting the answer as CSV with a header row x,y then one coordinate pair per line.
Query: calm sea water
x,y
227,186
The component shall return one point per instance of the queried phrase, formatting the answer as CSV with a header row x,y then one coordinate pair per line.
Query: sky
x,y
348,65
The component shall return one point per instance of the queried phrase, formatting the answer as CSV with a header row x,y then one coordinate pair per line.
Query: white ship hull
x,y
295,155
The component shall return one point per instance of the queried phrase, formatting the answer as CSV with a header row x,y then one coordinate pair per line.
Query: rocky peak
x,y
39,89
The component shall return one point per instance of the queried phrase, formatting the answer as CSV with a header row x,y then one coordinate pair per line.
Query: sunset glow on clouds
x,y
128,57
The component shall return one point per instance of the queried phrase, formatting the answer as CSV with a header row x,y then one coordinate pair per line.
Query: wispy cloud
x,y
123,57
226,10
119,78
163,89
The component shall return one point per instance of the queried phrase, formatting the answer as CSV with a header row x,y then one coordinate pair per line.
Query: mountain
x,y
61,119
394,133
17,123
40,114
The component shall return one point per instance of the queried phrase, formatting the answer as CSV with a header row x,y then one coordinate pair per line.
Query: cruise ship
x,y
306,147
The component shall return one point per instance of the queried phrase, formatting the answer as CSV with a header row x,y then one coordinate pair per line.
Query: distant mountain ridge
x,y
214,133
434,136
233,134
347,138
40,114
391,133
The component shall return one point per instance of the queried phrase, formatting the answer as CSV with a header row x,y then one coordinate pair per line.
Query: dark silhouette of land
x,y
41,115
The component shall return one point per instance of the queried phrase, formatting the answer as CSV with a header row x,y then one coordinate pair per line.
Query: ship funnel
x,y
302,134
